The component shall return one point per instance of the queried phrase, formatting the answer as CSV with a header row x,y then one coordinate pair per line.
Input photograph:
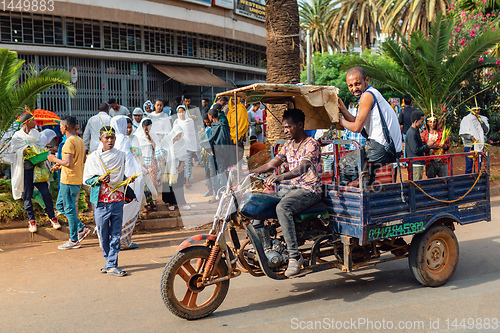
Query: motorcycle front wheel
x,y
179,288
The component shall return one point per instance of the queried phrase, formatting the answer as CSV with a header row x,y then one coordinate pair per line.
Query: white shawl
x,y
46,136
187,127
18,143
175,151
470,125
145,145
161,123
112,159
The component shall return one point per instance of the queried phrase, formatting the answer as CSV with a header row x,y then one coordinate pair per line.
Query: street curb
x,y
48,234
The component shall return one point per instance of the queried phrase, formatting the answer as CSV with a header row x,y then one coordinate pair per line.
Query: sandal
x,y
153,207
130,247
116,272
104,270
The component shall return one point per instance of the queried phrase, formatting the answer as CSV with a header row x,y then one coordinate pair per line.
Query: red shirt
x,y
425,137
106,196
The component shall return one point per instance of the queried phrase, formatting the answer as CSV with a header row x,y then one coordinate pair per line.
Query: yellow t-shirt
x,y
73,175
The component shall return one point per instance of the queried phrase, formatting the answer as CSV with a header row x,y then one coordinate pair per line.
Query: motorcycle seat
x,y
262,206
319,209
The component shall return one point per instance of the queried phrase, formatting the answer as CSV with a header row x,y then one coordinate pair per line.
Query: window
x,y
41,29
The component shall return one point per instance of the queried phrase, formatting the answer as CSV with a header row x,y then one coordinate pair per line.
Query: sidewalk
x,y
201,213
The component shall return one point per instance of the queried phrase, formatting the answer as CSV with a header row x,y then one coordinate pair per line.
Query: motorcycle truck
x,y
352,227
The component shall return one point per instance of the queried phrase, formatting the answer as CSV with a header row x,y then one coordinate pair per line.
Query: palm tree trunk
x,y
283,55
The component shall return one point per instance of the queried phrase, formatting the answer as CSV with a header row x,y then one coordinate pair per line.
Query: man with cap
x,y
414,146
137,114
473,130
116,109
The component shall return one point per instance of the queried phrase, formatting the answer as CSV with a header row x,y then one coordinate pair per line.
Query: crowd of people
x,y
127,160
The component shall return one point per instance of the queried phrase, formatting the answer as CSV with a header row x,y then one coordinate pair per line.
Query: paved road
x,y
43,289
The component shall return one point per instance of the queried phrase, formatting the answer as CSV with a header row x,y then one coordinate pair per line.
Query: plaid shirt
x,y
348,135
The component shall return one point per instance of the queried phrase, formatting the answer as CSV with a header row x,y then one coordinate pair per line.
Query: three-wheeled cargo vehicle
x,y
353,227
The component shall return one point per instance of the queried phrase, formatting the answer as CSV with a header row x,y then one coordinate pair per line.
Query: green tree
x,y
15,95
316,17
427,70
355,20
409,16
331,70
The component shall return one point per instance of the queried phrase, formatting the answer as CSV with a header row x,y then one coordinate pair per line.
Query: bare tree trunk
x,y
283,56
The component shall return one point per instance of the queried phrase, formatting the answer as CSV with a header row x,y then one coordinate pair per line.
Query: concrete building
x,y
135,50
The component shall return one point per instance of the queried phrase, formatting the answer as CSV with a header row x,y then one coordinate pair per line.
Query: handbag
x,y
374,151
129,195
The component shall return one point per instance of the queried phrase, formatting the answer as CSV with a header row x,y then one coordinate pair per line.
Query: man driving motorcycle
x,y
303,155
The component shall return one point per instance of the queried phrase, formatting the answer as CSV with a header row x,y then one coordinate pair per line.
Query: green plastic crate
x,y
39,158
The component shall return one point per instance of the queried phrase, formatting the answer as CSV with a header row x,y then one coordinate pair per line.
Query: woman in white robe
x,y
187,126
175,145
130,210
147,150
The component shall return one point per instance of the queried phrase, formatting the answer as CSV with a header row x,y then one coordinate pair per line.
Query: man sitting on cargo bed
x,y
303,155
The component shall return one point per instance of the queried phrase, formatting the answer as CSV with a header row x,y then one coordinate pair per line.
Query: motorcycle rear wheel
x,y
178,284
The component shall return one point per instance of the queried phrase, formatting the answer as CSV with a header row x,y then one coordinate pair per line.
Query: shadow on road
x,y
473,269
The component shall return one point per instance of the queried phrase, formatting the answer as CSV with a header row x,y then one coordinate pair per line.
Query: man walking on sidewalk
x,y
23,178
73,154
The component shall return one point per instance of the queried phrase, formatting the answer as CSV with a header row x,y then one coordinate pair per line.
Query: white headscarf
x,y
135,124
119,124
148,102
145,145
46,136
187,126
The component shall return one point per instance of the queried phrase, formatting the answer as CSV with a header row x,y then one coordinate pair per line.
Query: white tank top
x,y
373,124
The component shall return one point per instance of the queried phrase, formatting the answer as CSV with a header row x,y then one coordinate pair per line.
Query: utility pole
x,y
308,46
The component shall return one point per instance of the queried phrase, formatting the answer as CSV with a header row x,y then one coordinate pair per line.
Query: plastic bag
x,y
41,173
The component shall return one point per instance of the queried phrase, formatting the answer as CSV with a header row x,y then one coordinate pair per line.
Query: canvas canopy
x,y
319,103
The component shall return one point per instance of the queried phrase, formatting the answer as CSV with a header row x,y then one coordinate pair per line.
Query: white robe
x,y
470,125
18,143
188,128
93,128
175,153
161,124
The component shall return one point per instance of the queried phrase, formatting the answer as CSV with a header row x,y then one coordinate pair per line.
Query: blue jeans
x,y
293,201
469,162
29,187
108,218
66,204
